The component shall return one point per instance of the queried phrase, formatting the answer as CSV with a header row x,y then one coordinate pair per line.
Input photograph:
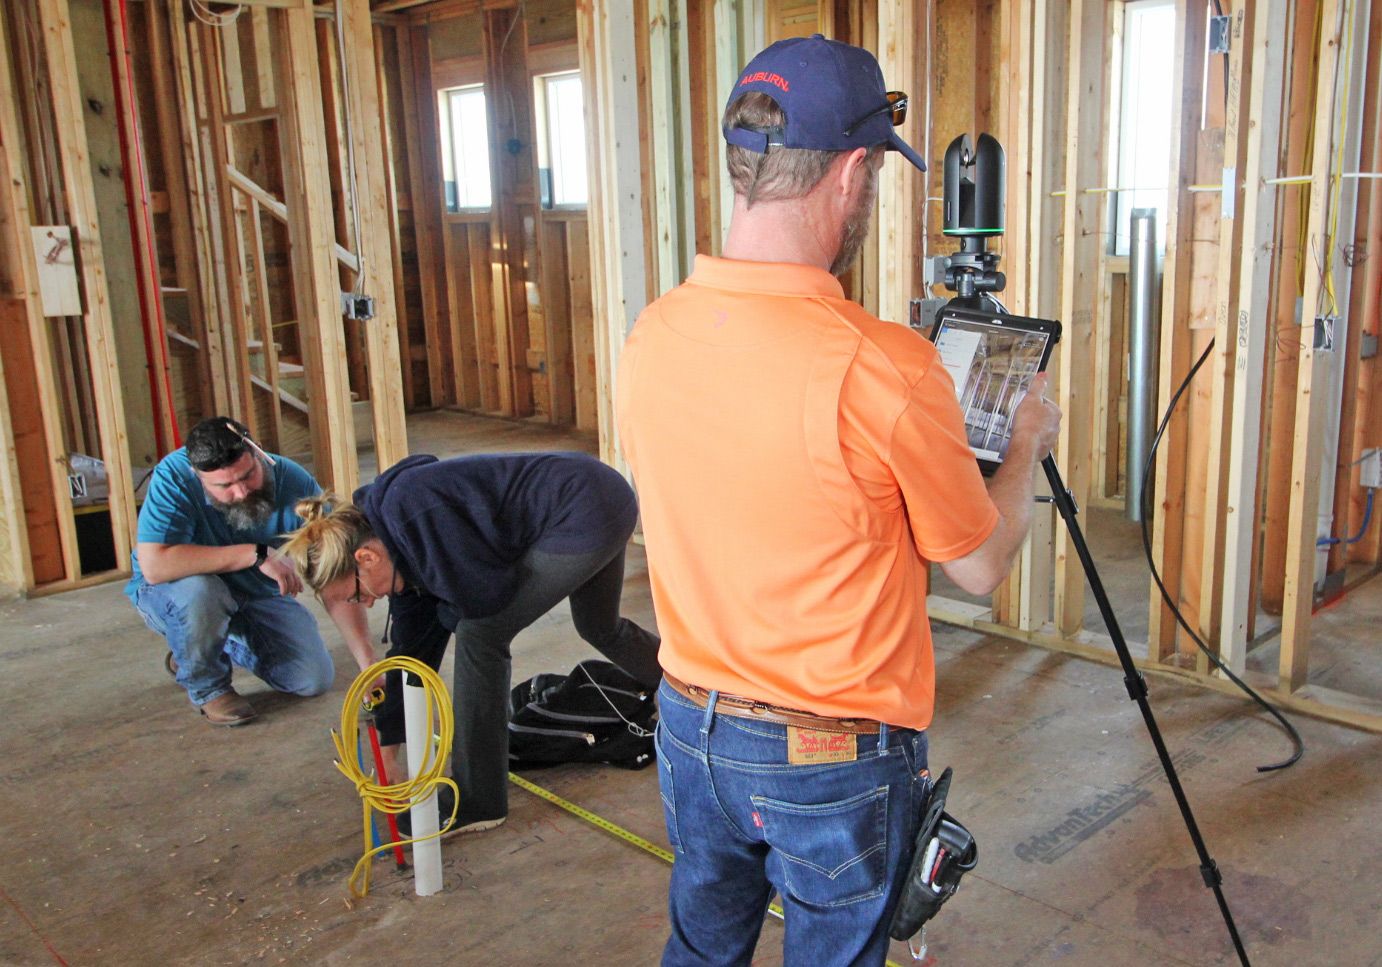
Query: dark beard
x,y
255,510
856,230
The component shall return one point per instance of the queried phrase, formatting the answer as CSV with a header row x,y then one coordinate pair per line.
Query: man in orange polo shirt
x,y
799,462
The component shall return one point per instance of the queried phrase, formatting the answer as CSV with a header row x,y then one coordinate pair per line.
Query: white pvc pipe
x,y
426,856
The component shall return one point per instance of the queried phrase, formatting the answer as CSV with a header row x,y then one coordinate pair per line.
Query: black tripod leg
x,y
1137,691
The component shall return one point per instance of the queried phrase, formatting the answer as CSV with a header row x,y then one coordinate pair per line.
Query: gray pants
x,y
422,626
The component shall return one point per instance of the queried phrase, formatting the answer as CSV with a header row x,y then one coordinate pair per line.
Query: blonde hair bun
x,y
322,549
315,508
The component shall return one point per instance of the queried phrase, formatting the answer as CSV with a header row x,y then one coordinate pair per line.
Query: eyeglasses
x,y
355,598
896,106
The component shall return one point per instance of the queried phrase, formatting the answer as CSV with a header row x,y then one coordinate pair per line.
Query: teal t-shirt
x,y
177,510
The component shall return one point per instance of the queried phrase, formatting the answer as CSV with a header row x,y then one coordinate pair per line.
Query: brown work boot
x,y
231,708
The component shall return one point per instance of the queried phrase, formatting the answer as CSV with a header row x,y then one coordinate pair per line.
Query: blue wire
x,y
1363,529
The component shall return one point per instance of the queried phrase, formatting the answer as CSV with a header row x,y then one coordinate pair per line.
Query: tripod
x,y
1137,691
974,193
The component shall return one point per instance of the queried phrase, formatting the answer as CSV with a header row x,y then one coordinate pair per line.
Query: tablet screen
x,y
991,359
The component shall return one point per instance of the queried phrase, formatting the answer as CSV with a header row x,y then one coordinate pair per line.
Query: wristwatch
x,y
261,554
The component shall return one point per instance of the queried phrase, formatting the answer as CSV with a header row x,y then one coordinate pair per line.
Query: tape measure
x,y
618,831
592,819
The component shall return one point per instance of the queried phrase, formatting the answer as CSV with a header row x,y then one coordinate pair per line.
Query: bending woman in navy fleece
x,y
482,546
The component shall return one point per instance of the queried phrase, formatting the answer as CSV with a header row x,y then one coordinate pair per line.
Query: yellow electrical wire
x,y
399,796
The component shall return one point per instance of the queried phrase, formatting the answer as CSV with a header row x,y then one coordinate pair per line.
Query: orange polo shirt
x,y
798,462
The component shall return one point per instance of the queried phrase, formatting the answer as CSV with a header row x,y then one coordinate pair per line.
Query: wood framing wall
x,y
224,183
287,158
1260,461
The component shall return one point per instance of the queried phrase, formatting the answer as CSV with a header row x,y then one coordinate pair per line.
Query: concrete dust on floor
x,y
138,834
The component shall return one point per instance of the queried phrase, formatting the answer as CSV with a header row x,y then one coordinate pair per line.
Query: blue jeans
x,y
208,627
833,840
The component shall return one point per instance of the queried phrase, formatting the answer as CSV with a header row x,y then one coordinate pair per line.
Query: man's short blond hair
x,y
778,174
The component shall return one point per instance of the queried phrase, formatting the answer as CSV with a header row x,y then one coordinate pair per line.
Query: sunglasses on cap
x,y
895,106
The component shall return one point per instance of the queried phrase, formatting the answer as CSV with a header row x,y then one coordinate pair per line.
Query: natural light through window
x,y
565,147
465,148
1144,123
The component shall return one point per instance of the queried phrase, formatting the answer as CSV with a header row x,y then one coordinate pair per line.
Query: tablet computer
x,y
991,357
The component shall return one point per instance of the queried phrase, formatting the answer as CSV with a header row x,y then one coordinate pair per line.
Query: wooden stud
x,y
705,130
618,284
1251,330
1048,123
1293,259
556,289
342,197
663,110
585,380
372,160
1312,378
1168,480
387,112
468,292
263,57
316,289
729,58
899,182
1083,225
1220,368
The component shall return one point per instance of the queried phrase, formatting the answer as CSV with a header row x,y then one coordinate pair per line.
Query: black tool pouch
x,y
944,852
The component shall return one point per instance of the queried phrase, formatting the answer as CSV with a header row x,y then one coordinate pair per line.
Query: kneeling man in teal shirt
x,y
207,579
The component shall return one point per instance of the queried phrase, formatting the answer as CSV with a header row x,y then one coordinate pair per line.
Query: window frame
x,y
543,126
447,146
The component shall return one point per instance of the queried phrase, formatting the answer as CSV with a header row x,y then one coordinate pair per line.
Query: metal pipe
x,y
1144,297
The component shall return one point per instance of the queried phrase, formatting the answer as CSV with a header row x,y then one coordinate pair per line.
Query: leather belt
x,y
749,708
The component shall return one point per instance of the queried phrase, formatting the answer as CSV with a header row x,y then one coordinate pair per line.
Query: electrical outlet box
x,y
357,306
1324,333
1220,29
1370,468
1367,345
921,314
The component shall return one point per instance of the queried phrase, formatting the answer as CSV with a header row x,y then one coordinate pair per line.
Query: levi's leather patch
x,y
813,747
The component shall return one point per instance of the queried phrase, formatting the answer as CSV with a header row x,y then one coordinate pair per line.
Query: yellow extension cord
x,y
399,796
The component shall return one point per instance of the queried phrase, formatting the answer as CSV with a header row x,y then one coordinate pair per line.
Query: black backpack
x,y
598,713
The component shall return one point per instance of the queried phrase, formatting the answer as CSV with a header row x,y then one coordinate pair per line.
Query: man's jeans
x,y
209,627
833,839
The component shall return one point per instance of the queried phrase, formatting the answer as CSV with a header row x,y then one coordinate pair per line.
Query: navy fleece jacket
x,y
458,529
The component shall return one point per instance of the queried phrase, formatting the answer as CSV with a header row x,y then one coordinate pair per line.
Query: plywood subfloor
x,y
137,834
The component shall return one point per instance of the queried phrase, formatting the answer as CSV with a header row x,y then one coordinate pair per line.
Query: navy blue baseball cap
x,y
832,93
